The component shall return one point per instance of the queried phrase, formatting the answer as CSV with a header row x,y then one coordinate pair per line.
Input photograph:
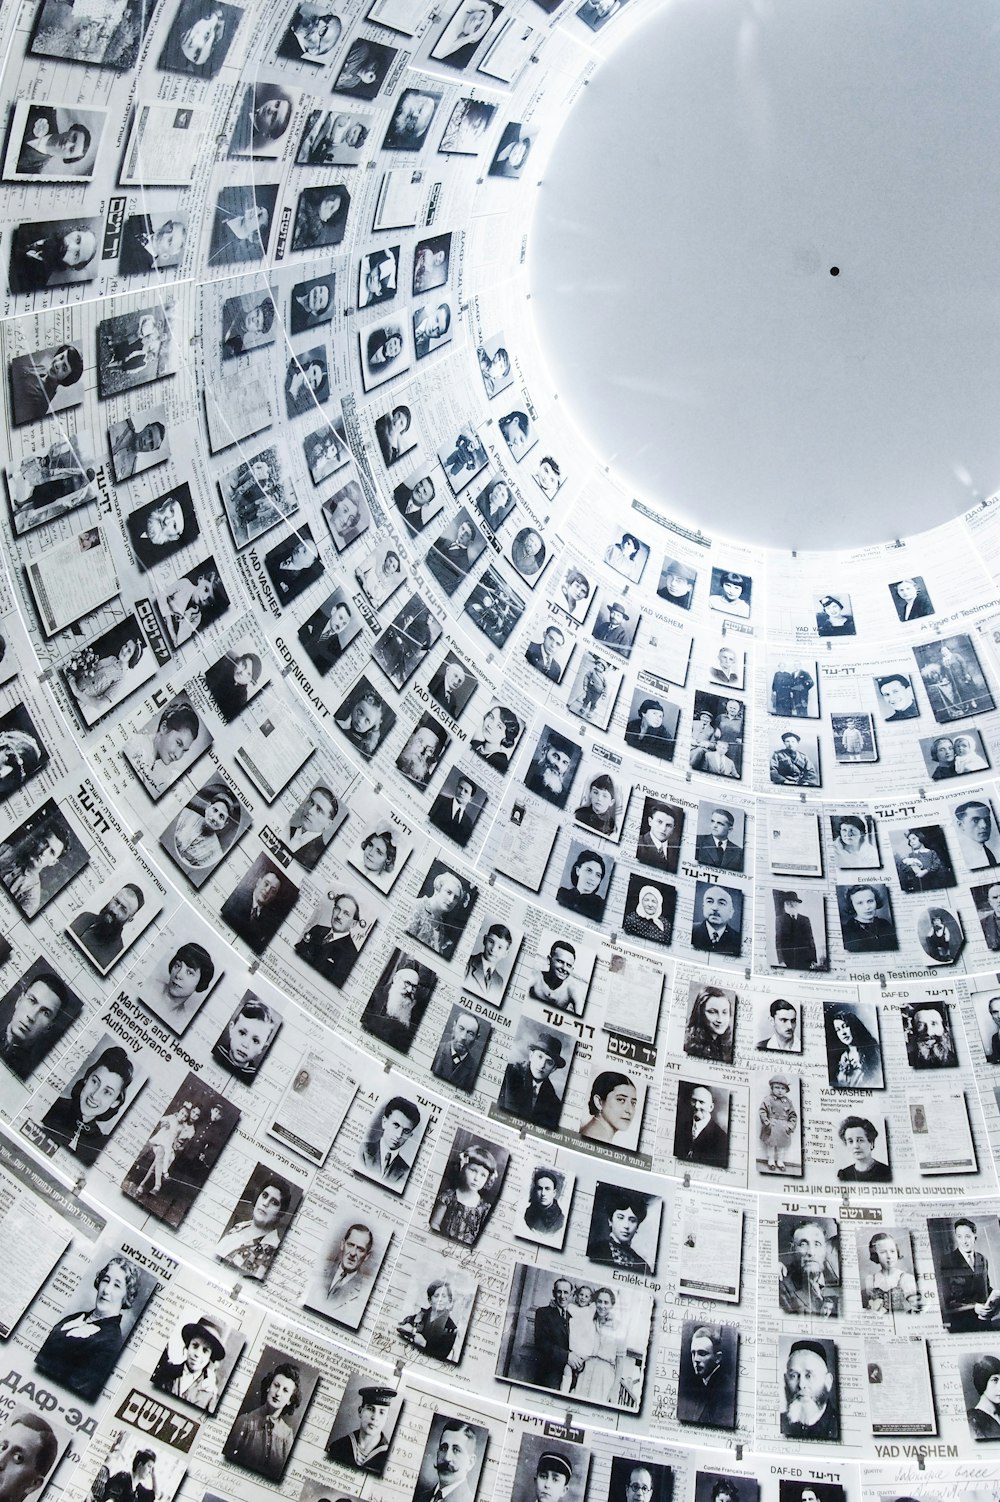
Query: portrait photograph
x,y
730,593
363,1429
952,678
861,1149
455,551
553,767
495,503
494,607
720,835
332,138
242,223
396,434
293,564
929,1035
381,850
853,738
259,1222
311,34
954,755
423,751
605,800
163,526
271,1414
648,910
798,939
710,1022
46,381
528,554
235,679
59,32
53,253
205,830
718,729
94,1100
255,497
866,921
923,862
81,1349
544,1200
776,1102
247,1038
199,38
677,583
885,1261
444,904
462,458
463,1042
365,718
535,1077
53,142
259,903
987,900
198,1359
896,697
192,603
179,976
584,886
411,120
795,687
391,1142
314,821
35,1014
707,1377
453,1458
809,1275
342,1285
431,328
561,971
364,69
548,650
40,857
384,352
465,29
593,692
307,382
728,667
549,1468
378,276
854,841
469,1187
718,919
22,751
651,725
247,322
624,1228
911,599
311,303
135,348
805,1491
436,1309
834,615
347,516
398,1001
262,120
966,1255
431,263
182,1149
320,218
701,1124
35,1444
615,1106
405,643
940,935
51,484
138,443
451,686
794,759
334,934
777,1025
558,1328
513,150
986,1001
328,633
457,808
712,1486
809,1388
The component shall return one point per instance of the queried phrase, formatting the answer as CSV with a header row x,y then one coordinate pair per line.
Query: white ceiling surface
x,y
724,158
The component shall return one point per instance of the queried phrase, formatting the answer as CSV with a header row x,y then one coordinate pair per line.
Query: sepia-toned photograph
x,y
181,1151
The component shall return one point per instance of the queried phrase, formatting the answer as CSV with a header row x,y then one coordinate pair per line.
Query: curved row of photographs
x,y
415,851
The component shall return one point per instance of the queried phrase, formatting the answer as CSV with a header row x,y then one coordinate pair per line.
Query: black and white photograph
x,y
574,593
307,382
179,977
834,615
677,583
794,688
205,830
22,751
866,920
192,603
312,825
247,1038
235,679
328,632
469,1188
553,767
707,1376
136,443
391,1142
718,919
404,645
940,935
40,857
35,1013
382,848
451,686
615,625
809,1265
548,650
928,1035
853,1047
861,1150
423,751
710,1022
53,253
615,1106
455,551
109,39
885,1257
923,863
262,119
536,1075
952,679
463,32
494,607
271,1414
978,837
363,1429
340,1289
311,34
378,276
794,1491
513,150
311,303
347,516
648,910
94,1100
584,886
365,718
332,138
134,348
81,1349
810,1396
199,38
432,328
436,1310
624,1228
396,434
453,1458
51,484
954,755
248,322
458,806
981,1391
334,934
549,1469
896,698
182,1149
965,1250
431,263
256,497
463,458
593,692
718,730
242,224
798,938
794,760
987,900
582,1338
701,1126
45,381
198,1359
442,909
259,904
659,841
163,526
651,726
604,802
490,965
411,120
53,142
777,1025
384,352
135,1461
459,1053
364,69
294,564
854,841
853,738
562,971
259,1222
544,1204
776,1102
528,554
399,999
320,218
495,504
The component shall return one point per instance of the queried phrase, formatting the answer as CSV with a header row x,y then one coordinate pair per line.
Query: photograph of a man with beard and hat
x,y
553,767
398,1001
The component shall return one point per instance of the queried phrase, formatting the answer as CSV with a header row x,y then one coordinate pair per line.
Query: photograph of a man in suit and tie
x,y
491,962
390,1146
460,1052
